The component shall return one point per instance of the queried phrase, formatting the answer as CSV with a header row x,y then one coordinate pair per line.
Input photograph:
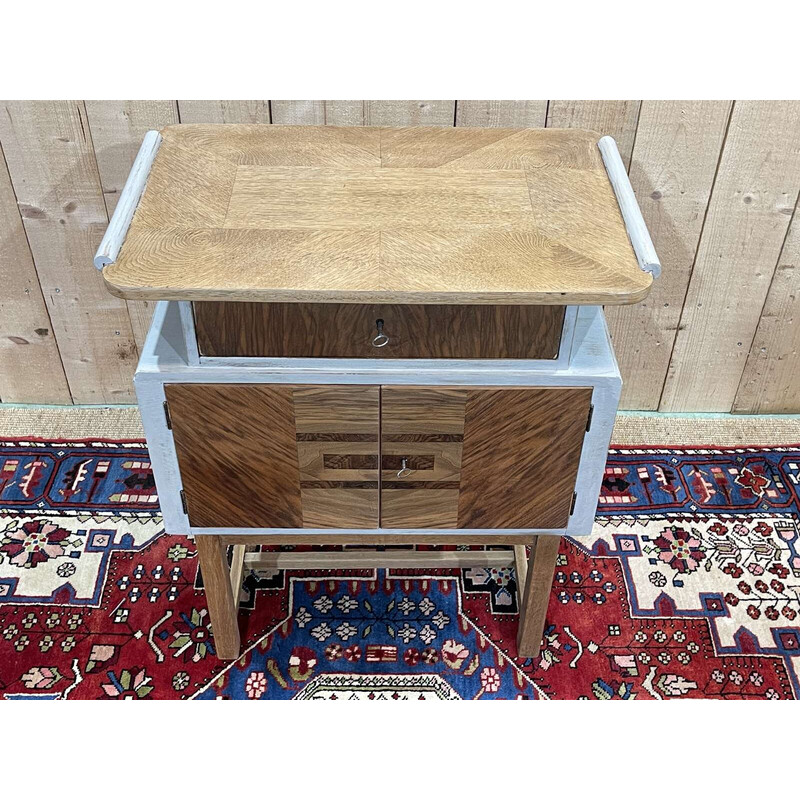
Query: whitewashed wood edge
x,y
163,457
237,569
564,356
521,567
594,454
380,559
631,213
129,198
189,333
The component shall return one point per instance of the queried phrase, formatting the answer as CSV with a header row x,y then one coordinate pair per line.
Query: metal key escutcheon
x,y
381,340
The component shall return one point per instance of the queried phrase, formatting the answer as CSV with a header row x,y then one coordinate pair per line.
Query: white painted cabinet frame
x,y
170,356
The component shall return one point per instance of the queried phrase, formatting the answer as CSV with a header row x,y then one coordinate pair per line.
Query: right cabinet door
x,y
480,457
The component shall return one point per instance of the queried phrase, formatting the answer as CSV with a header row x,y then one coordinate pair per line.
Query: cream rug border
x,y
123,422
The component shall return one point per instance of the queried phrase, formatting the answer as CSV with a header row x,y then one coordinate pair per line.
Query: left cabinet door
x,y
277,456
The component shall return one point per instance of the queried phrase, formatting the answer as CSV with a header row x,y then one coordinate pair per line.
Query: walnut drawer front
x,y
340,330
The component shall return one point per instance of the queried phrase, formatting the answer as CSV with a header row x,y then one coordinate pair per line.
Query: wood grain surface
x,y
520,456
50,158
362,112
423,425
502,113
267,456
751,206
365,214
536,597
222,604
674,163
372,538
224,111
118,127
30,366
237,454
325,330
676,151
771,380
480,458
617,118
338,479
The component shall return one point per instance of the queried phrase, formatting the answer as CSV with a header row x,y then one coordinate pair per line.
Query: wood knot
x,y
31,212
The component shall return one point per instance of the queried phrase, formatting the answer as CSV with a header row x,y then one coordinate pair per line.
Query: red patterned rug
x,y
689,586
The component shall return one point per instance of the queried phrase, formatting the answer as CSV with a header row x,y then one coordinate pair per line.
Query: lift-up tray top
x,y
378,215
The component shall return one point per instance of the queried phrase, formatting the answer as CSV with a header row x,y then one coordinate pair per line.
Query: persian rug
x,y
688,587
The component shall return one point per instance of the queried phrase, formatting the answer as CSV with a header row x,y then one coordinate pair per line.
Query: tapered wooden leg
x,y
219,596
536,595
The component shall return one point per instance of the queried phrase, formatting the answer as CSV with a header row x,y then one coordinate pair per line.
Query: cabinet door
x,y
480,457
277,456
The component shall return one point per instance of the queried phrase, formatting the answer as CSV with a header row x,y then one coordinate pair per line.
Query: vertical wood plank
x,y
617,118
753,198
118,127
771,380
224,111
410,112
674,161
30,367
345,112
298,112
222,605
363,112
49,154
502,113
536,596
52,165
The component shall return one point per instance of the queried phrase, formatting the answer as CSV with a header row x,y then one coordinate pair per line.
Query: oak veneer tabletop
x,y
387,215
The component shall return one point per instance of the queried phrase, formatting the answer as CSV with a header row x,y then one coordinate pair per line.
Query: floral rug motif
x,y
688,586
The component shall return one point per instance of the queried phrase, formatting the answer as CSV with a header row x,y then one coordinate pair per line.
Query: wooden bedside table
x,y
377,335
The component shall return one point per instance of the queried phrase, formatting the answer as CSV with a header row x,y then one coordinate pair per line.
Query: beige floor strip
x,y
67,422
727,430
122,422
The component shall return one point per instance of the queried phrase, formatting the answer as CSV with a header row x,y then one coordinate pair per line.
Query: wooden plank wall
x,y
718,183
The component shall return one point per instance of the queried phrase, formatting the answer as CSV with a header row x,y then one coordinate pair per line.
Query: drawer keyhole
x,y
381,340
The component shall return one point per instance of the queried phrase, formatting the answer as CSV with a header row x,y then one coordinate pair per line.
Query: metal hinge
x,y
167,416
589,418
572,507
183,503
